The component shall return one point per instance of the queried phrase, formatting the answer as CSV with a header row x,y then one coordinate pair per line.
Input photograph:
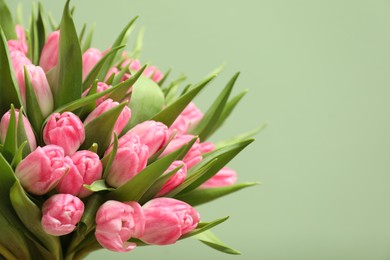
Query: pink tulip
x,y
85,168
61,213
42,169
153,73
167,219
130,159
134,65
225,177
117,222
111,71
177,179
15,45
106,105
151,133
90,58
19,60
27,128
21,37
101,86
189,117
65,130
206,147
194,154
49,55
40,86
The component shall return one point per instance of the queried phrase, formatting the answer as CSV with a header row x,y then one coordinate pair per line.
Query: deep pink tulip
x,y
40,86
85,168
49,55
167,219
151,133
27,128
177,179
42,169
19,60
225,177
61,213
65,130
193,156
130,159
117,222
106,105
90,58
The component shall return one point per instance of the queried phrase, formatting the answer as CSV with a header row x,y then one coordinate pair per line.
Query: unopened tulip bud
x,y
117,222
189,117
61,213
130,159
40,86
225,177
19,60
90,58
42,169
151,133
27,128
85,168
65,130
49,55
167,219
207,147
153,73
176,179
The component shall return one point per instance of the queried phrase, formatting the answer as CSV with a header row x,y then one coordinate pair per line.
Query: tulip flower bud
x,y
61,213
85,168
134,65
90,58
106,105
27,128
225,177
151,133
42,169
153,73
194,154
49,55
189,117
101,86
117,222
65,130
19,60
206,147
177,179
167,219
130,159
40,86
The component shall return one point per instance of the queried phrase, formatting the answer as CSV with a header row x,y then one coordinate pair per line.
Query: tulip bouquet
x,y
97,151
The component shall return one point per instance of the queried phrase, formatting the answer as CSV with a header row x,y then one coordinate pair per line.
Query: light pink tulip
x,y
40,86
117,222
206,147
27,128
193,156
42,169
167,219
65,130
111,71
61,213
153,73
101,86
90,58
106,105
19,60
176,179
189,117
151,133
130,159
225,177
85,168
134,65
49,55
15,45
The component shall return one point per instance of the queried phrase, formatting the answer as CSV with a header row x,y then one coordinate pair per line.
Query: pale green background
x,y
318,73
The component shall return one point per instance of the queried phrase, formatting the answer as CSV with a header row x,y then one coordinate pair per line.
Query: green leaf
x,y
109,158
88,40
21,136
223,156
212,241
10,142
69,67
201,196
18,155
202,227
8,85
30,215
138,44
6,21
121,40
147,100
33,110
92,75
241,137
211,117
100,129
33,37
135,188
99,185
41,28
169,114
166,74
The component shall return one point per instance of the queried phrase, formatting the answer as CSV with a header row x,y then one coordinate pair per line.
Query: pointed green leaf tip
x,y
69,68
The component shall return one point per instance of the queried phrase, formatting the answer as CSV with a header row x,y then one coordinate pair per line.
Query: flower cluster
x,y
105,152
